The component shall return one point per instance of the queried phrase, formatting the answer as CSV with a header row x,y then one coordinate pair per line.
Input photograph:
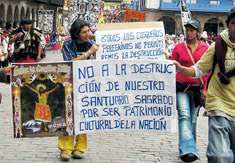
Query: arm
x,y
189,71
34,90
203,66
88,53
52,90
39,52
67,52
6,69
16,36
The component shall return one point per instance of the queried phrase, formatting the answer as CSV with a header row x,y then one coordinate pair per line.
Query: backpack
x,y
219,58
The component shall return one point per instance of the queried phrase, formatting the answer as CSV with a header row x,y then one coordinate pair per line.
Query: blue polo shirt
x,y
70,51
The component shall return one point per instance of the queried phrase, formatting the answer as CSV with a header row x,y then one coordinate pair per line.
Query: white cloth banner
x,y
142,43
45,20
87,10
124,95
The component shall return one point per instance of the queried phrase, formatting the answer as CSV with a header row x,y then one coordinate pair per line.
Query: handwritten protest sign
x,y
42,99
145,40
124,95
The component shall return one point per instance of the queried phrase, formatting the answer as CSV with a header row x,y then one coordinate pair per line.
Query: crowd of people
x,y
203,63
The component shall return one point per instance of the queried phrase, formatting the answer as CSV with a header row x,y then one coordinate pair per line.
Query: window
x,y
215,3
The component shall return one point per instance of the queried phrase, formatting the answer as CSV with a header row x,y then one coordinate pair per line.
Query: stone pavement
x,y
121,147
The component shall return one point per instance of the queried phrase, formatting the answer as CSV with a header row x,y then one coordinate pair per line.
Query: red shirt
x,y
180,54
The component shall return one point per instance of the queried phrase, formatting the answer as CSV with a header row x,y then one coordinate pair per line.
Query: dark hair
x,y
76,28
26,21
8,26
231,14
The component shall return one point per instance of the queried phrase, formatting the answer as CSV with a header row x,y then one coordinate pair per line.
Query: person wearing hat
x,y
79,47
188,90
27,47
220,101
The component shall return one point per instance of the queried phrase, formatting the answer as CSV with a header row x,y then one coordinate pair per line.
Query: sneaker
x,y
190,157
65,156
78,155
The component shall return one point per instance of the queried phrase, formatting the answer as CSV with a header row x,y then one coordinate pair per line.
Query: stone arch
x,y
2,15
169,24
28,15
9,14
16,17
214,25
22,13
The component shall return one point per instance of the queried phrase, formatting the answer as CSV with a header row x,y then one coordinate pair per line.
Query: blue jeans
x,y
221,140
187,119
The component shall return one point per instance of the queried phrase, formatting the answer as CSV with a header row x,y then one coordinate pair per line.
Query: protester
x,y
78,48
220,101
204,37
188,90
27,47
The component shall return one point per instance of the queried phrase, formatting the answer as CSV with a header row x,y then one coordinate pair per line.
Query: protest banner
x,y
185,14
124,95
139,40
45,20
84,9
42,99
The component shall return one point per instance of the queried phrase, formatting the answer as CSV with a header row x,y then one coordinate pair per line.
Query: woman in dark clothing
x,y
80,47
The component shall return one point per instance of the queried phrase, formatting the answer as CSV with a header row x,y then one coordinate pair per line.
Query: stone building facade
x,y
12,11
211,22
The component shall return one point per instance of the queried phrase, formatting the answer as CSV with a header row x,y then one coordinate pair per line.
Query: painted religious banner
x,y
124,95
84,9
185,13
42,99
139,40
45,20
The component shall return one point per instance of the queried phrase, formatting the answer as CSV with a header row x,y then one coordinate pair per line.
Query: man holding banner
x,y
79,48
188,90
27,43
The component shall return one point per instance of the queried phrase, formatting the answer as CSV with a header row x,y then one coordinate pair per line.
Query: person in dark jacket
x,y
27,43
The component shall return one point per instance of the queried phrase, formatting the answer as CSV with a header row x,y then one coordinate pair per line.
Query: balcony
x,y
221,6
58,3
